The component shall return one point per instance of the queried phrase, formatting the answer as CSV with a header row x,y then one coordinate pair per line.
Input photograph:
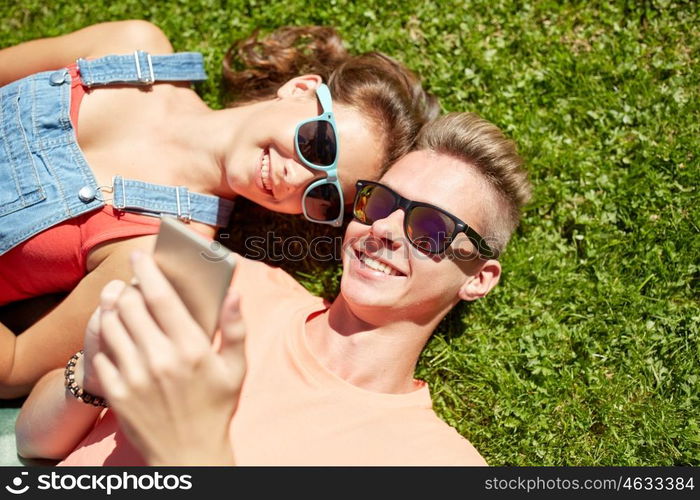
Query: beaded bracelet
x,y
77,391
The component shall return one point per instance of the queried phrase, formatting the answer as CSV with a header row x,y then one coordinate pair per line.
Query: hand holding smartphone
x,y
200,270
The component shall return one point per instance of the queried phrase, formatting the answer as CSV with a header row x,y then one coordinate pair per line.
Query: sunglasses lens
x,y
373,203
429,229
317,143
322,203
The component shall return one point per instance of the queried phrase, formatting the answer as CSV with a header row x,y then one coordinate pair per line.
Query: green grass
x,y
588,353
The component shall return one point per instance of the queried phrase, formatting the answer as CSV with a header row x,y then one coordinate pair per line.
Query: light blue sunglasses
x,y
316,143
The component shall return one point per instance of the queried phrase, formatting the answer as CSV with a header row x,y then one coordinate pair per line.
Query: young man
x,y
325,383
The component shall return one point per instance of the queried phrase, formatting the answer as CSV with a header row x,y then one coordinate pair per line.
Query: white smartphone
x,y
200,270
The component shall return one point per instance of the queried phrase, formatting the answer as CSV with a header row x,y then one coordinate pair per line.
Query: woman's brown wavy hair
x,y
375,84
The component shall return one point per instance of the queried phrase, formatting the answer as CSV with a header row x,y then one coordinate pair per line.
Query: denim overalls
x,y
44,178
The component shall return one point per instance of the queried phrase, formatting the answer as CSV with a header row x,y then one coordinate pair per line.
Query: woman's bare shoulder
x,y
119,37
44,54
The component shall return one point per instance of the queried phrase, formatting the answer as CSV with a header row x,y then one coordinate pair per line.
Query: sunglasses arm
x,y
324,97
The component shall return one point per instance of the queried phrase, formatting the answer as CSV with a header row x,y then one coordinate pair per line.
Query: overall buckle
x,y
149,78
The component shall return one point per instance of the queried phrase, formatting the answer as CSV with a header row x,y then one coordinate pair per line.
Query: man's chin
x,y
368,297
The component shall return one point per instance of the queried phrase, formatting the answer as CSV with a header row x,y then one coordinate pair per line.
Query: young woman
x,y
78,191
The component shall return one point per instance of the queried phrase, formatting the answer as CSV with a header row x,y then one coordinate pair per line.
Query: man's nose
x,y
390,229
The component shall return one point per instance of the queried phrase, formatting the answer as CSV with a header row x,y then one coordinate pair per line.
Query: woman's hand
x,y
173,392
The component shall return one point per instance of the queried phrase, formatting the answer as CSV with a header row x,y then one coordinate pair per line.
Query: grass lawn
x,y
588,352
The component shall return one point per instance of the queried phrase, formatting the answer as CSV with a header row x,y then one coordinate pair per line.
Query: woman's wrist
x,y
84,378
75,380
80,371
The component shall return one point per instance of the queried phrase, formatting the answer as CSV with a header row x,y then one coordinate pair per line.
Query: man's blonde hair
x,y
482,145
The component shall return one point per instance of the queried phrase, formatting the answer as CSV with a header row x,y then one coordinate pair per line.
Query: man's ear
x,y
299,85
478,285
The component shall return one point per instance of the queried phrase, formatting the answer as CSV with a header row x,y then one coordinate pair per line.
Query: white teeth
x,y
265,172
378,266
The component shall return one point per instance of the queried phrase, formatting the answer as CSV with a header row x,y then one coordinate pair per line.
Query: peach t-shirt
x,y
293,410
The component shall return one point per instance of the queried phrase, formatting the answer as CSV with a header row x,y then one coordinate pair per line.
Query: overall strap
x,y
141,68
154,199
